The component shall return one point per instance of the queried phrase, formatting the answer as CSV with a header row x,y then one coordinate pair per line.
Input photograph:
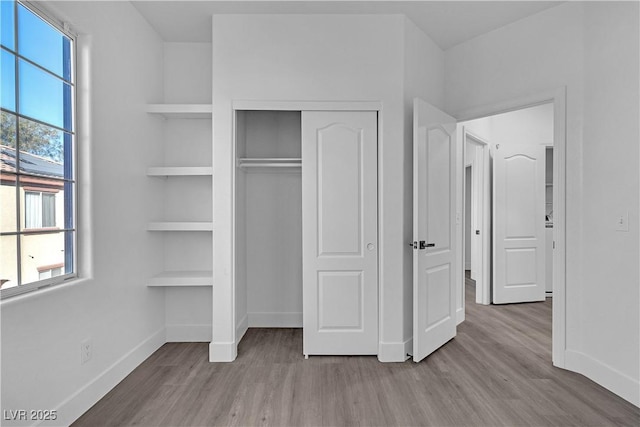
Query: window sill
x,y
43,290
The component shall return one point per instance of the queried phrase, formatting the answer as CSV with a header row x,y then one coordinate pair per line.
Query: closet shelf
x,y
180,226
181,279
258,162
181,111
180,171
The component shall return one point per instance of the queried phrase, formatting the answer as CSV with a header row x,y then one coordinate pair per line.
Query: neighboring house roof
x,y
29,163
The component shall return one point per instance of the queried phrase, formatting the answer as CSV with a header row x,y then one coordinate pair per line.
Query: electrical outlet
x,y
86,350
622,222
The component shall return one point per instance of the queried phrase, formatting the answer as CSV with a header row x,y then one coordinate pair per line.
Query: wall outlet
x,y
86,350
622,222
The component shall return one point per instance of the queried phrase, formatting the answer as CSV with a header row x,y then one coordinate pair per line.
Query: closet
x,y
305,226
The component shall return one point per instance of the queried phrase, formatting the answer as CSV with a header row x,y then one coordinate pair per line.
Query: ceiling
x,y
448,23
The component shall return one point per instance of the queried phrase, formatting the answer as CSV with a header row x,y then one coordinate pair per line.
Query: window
x,y
37,151
39,210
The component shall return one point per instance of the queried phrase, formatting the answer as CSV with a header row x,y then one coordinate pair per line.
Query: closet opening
x,y
268,220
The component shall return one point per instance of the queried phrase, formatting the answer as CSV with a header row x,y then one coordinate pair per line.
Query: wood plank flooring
x,y
496,372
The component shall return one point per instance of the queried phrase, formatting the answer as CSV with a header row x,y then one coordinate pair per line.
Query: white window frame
x,y
63,278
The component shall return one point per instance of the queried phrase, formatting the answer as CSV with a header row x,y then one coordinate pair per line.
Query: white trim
x,y
222,351
79,402
188,333
460,316
395,351
613,380
558,98
306,105
275,320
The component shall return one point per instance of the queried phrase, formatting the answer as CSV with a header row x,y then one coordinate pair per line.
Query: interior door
x,y
518,223
434,212
339,231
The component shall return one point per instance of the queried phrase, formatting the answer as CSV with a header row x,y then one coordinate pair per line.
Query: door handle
x,y
422,245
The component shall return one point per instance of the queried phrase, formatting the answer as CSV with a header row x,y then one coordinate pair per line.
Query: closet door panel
x,y
339,222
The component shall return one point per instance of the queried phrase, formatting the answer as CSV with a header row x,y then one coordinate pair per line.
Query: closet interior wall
x,y
268,213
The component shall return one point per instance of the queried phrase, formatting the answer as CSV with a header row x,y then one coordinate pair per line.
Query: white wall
x,y
319,57
423,78
610,290
575,45
529,126
187,79
41,332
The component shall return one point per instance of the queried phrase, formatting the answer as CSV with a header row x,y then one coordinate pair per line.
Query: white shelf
x,y
180,171
181,111
181,279
180,226
258,162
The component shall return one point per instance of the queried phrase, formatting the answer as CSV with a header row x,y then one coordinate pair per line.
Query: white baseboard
x,y
275,320
395,351
83,399
188,333
459,316
603,374
467,266
222,351
241,328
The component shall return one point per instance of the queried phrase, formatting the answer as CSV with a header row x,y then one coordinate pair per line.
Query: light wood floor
x,y
496,372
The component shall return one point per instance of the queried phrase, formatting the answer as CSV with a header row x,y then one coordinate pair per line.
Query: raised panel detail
x,y
438,190
339,190
521,267
340,296
438,281
520,196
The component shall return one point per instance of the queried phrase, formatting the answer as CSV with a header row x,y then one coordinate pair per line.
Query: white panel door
x,y
518,223
339,232
434,302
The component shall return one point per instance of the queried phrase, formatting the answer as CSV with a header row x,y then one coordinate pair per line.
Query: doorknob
x,y
423,245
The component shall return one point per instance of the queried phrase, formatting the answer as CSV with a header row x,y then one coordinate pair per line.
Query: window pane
x,y
7,35
44,150
8,214
8,218
44,97
43,44
8,75
40,252
8,131
48,210
8,262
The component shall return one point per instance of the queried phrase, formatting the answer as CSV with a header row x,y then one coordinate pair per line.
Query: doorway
x,y
478,123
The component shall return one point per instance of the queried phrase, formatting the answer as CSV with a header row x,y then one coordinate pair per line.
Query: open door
x,y
434,212
518,223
